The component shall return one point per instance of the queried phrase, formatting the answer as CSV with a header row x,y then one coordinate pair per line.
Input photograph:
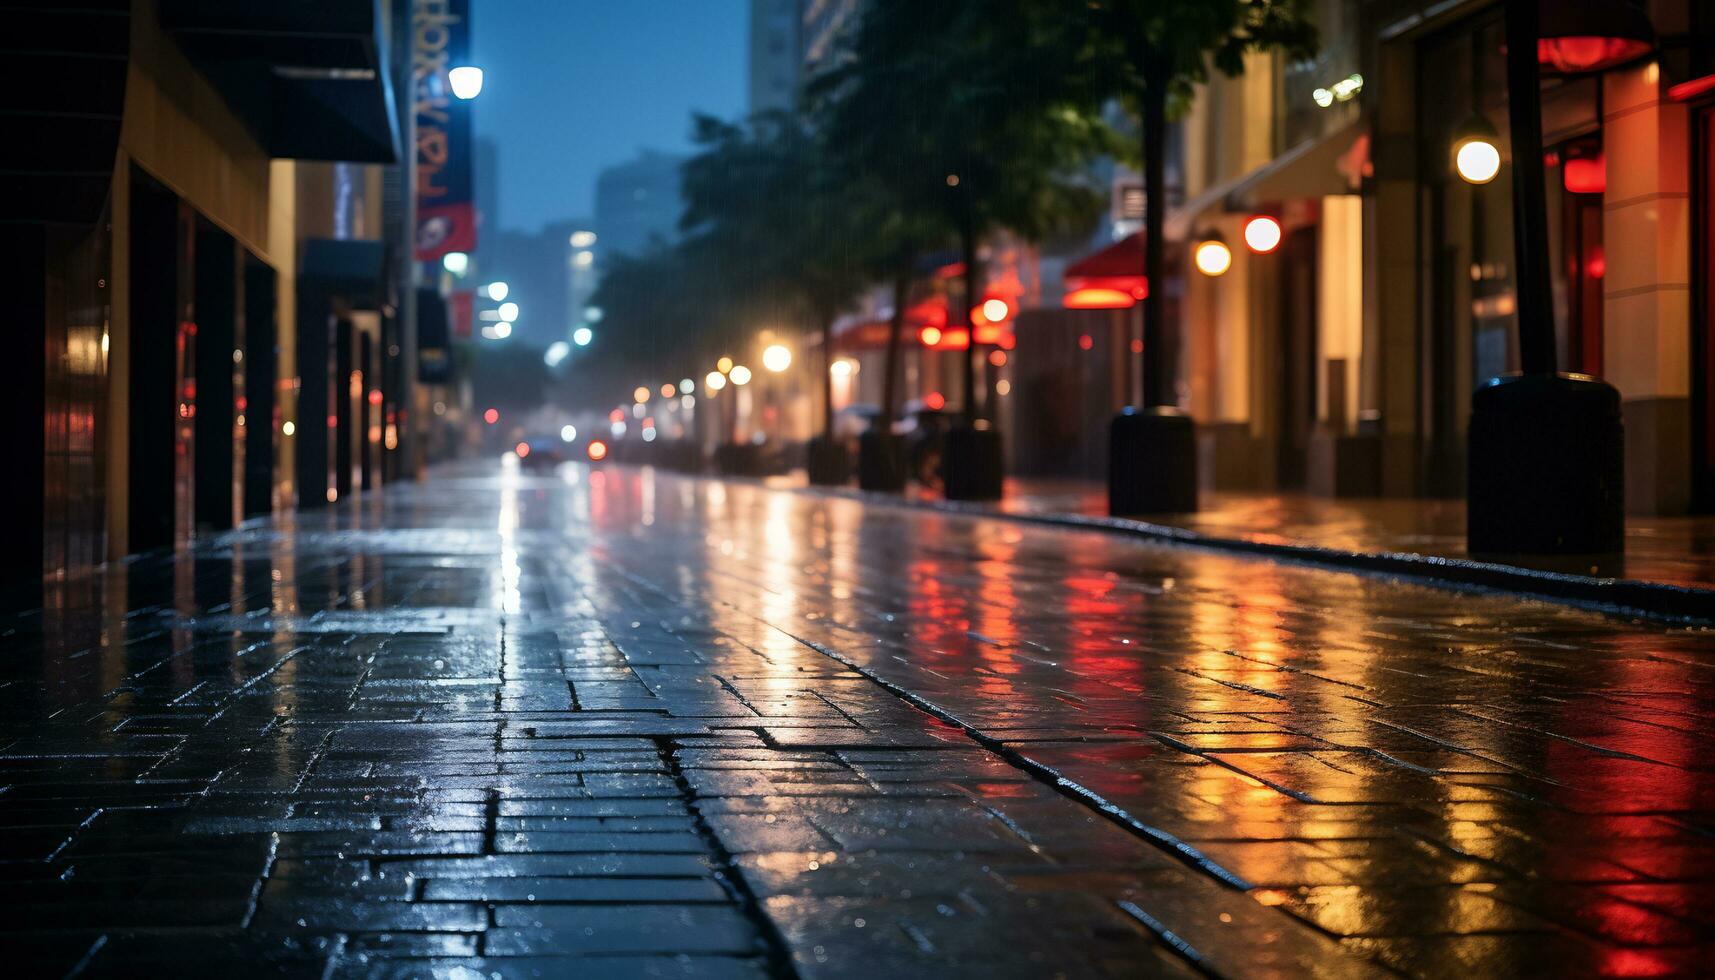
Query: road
x,y
679,727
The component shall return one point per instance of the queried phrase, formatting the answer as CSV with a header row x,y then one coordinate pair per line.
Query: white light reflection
x,y
511,596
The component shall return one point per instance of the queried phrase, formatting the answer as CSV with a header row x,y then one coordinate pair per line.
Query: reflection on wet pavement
x,y
619,723
1677,551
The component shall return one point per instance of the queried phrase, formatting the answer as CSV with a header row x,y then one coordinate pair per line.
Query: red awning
x,y
1122,258
1119,267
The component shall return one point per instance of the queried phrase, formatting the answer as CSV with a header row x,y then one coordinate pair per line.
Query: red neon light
x,y
1576,55
1686,91
1085,342
935,400
1586,175
1097,298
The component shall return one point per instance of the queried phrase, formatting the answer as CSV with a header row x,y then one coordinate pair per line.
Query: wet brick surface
x,y
626,724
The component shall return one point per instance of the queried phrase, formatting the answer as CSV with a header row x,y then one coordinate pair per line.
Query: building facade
x,y
1342,360
199,272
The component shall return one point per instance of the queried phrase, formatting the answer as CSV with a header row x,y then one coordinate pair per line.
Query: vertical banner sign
x,y
446,208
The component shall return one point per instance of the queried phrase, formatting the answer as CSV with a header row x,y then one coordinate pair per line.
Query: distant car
x,y
542,453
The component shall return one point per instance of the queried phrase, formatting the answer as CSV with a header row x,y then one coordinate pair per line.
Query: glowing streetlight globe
x,y
1478,160
497,291
723,365
740,374
509,312
1262,234
995,310
455,262
687,386
568,433
715,380
582,336
466,81
1213,257
777,358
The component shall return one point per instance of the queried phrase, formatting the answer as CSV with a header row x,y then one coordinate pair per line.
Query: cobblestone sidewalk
x,y
616,723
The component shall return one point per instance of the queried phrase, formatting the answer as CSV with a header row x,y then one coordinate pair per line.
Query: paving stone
x,y
711,744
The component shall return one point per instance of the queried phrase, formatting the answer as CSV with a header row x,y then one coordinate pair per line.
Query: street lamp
x,y
777,358
497,290
466,81
1262,234
582,336
740,374
686,386
1213,257
724,365
715,380
509,312
456,263
641,395
1476,157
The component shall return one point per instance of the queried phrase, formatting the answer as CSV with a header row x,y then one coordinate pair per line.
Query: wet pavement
x,y
1673,551
621,723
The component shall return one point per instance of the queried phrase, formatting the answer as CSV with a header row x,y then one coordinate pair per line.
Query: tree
x,y
762,202
1149,53
969,116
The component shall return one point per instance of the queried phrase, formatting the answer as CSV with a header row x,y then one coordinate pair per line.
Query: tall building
x,y
638,204
487,186
822,24
776,54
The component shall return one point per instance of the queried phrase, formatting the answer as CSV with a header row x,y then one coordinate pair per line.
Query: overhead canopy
x,y
1115,269
308,77
354,270
1315,168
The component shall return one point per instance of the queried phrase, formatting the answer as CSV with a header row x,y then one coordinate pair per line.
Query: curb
x,y
1675,604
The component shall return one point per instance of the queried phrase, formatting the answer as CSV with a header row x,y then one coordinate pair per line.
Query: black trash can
x,y
1152,462
973,467
826,461
881,462
1546,473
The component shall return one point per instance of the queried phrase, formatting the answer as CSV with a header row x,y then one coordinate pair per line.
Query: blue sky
x,y
572,86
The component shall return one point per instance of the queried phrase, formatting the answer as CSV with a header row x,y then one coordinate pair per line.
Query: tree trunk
x,y
968,244
1157,358
1530,197
895,331
827,376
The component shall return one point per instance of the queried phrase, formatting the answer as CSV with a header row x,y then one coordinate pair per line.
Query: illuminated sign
x,y
446,207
